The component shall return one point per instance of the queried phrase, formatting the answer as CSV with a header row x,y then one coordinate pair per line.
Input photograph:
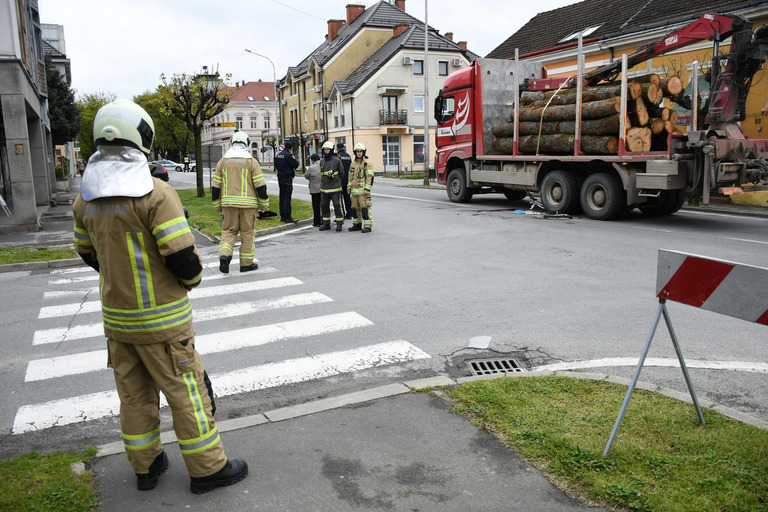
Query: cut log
x,y
639,113
661,112
589,110
639,139
651,93
635,90
563,144
656,124
673,116
669,126
650,78
603,126
568,96
672,86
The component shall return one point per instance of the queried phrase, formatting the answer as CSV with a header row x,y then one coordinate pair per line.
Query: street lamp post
x,y
274,79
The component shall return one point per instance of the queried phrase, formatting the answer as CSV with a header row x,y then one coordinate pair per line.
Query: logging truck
x,y
599,144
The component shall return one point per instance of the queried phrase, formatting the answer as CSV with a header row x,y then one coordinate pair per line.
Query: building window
x,y
266,122
418,67
254,122
317,119
442,68
418,103
341,109
238,123
305,115
418,149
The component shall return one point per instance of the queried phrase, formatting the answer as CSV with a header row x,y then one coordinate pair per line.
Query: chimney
x,y
333,29
399,29
400,4
449,35
353,11
462,45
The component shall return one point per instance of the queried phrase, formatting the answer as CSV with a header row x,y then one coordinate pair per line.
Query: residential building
x,y
27,177
611,28
366,83
55,52
252,109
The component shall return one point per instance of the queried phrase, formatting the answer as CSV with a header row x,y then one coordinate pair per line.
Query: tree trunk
x,y
669,126
603,126
652,93
589,110
656,124
635,90
650,78
673,116
672,86
568,96
198,158
639,139
662,113
559,144
639,115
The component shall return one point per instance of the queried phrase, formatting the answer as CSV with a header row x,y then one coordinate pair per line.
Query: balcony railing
x,y
393,117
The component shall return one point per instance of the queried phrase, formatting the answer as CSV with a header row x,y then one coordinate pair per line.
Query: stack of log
x,y
547,119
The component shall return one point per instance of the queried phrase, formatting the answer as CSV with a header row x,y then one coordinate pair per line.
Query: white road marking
x,y
198,293
61,335
81,408
70,280
747,240
77,270
424,200
86,362
743,366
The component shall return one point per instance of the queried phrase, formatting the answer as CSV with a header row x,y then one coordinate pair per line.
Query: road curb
x,y
413,386
40,265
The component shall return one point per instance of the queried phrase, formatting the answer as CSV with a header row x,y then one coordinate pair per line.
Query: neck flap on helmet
x,y
116,171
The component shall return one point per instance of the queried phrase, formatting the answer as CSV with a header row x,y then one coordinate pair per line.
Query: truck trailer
x,y
606,182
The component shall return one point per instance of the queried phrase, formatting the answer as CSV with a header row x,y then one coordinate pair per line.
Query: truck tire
x,y
667,203
603,197
456,186
515,195
560,192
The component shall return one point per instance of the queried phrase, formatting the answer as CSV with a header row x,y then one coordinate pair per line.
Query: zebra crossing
x,y
66,351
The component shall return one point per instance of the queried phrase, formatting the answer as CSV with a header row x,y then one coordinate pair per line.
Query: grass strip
x,y
27,254
662,459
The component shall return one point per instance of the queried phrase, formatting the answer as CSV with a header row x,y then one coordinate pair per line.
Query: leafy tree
x,y
172,138
88,105
195,99
62,109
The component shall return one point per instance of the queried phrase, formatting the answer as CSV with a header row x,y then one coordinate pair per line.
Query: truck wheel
x,y
560,192
456,186
603,197
515,195
667,203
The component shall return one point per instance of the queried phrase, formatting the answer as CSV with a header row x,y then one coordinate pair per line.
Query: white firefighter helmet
x,y
123,123
241,137
359,147
328,145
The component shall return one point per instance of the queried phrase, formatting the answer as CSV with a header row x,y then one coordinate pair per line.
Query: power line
x,y
297,10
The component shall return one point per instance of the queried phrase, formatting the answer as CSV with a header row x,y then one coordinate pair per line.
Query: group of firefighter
x,y
132,229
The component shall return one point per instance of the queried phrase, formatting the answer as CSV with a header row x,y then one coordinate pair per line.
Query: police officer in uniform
x,y
186,163
360,184
286,166
131,229
330,188
238,190
346,161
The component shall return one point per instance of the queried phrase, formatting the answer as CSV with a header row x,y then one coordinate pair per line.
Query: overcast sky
x,y
122,46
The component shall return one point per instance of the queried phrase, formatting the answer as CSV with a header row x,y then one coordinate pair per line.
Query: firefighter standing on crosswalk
x,y
359,188
131,228
239,193
331,170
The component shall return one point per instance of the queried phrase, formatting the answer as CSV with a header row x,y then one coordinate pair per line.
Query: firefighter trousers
x,y
362,206
141,372
325,206
234,220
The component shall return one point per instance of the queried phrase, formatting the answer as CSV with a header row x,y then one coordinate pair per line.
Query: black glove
x,y
264,215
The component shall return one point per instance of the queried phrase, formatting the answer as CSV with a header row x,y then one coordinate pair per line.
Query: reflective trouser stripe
x,y
200,444
197,403
141,441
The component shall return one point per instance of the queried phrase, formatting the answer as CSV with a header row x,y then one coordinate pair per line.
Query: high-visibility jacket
x,y
360,177
330,174
239,183
132,242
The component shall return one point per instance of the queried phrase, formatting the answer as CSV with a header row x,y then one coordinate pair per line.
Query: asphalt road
x,y
331,313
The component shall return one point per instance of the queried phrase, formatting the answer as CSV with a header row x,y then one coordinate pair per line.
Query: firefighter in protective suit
x,y
359,188
131,229
331,170
239,193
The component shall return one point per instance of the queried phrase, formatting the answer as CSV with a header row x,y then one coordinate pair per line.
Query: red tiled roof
x,y
256,90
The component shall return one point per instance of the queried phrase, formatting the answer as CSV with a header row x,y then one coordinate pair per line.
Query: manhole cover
x,y
495,365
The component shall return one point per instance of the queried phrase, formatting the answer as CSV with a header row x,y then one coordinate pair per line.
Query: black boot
x,y
224,264
356,227
234,471
252,266
338,226
326,226
149,481
367,229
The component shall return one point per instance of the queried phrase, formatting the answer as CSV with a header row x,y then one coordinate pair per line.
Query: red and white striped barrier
x,y
731,289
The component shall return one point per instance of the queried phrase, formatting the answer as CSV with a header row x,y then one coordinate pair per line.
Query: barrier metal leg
x,y
682,364
635,377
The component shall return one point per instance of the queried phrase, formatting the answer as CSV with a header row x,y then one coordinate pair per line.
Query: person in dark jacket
x,y
346,162
286,166
330,188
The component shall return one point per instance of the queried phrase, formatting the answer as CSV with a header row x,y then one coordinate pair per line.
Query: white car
x,y
170,165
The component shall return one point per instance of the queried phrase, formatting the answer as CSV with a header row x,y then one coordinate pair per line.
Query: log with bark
x,y
652,94
638,113
649,78
662,113
639,138
603,126
672,86
656,124
589,110
559,144
568,96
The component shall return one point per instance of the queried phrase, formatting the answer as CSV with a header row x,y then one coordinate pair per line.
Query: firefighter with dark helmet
x,y
131,229
360,184
239,193
330,188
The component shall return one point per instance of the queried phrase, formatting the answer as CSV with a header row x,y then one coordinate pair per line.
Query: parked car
x,y
158,171
170,165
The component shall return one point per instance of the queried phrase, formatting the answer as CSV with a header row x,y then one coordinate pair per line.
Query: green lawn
x,y
662,459
26,254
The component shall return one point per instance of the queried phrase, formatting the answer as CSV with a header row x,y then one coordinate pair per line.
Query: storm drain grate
x,y
496,365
